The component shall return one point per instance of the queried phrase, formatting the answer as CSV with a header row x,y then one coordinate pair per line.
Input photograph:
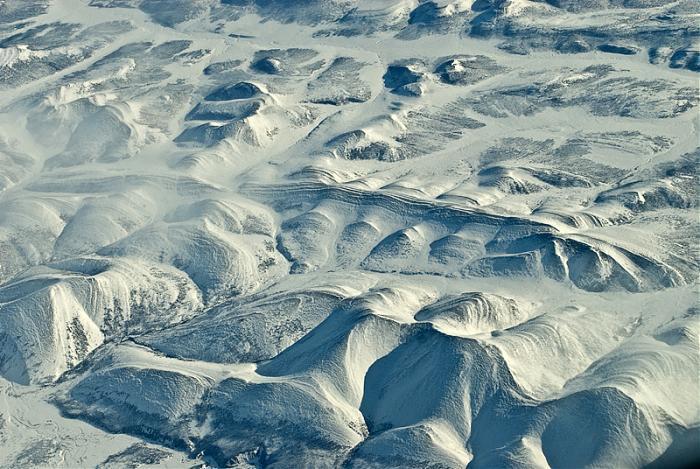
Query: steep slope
x,y
349,233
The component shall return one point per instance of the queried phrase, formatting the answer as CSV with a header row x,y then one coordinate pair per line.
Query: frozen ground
x,y
349,233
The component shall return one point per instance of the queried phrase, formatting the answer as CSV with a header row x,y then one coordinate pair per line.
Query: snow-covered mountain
x,y
349,233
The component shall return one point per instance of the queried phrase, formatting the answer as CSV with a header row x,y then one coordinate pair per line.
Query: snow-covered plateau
x,y
349,233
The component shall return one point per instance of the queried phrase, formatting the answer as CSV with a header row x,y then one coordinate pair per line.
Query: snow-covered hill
x,y
349,233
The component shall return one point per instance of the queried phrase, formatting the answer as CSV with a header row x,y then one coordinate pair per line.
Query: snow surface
x,y
349,233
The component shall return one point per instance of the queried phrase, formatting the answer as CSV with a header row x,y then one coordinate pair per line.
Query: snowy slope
x,y
349,233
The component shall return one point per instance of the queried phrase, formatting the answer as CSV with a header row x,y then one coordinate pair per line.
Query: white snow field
x,y
349,233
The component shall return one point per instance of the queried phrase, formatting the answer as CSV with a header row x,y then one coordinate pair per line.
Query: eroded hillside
x,y
349,233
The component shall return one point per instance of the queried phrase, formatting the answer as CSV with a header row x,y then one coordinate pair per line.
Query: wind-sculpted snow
x,y
340,83
53,318
599,91
408,134
248,332
349,233
402,234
